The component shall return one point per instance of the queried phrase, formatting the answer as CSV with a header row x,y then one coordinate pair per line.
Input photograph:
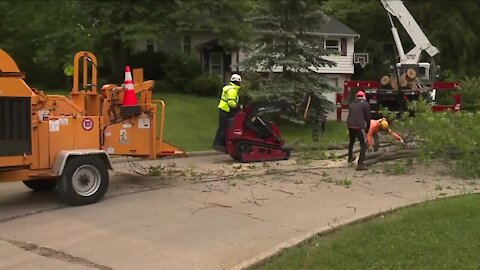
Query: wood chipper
x,y
50,141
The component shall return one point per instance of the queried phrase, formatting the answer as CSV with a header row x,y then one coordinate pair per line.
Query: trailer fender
x,y
63,156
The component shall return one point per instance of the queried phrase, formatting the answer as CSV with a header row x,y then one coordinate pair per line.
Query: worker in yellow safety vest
x,y
68,71
227,108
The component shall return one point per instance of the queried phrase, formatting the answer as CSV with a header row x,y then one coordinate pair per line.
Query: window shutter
x,y
343,46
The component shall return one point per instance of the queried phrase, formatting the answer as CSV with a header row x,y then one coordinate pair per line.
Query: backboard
x,y
360,58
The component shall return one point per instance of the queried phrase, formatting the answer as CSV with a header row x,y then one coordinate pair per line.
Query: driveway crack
x,y
55,254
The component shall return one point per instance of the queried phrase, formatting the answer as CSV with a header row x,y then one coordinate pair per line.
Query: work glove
x,y
402,141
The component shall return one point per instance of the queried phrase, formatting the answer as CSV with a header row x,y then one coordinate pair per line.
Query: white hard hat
x,y
235,78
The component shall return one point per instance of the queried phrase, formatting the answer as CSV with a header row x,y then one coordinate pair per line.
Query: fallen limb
x,y
280,190
389,156
382,145
207,205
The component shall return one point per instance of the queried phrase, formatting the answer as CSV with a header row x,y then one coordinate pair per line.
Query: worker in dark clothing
x,y
358,122
227,108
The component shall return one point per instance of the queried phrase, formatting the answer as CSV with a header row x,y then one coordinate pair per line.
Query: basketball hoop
x,y
360,58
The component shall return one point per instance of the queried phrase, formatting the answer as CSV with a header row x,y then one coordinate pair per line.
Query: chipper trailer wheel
x,y
83,181
40,185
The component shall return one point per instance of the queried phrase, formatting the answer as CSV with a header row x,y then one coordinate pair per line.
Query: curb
x,y
120,159
265,257
123,159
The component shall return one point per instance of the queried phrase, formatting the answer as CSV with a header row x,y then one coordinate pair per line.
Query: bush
x,y
205,85
151,62
448,136
470,91
179,70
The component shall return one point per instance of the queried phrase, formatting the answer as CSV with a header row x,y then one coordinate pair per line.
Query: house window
x,y
332,44
150,45
186,44
333,82
216,64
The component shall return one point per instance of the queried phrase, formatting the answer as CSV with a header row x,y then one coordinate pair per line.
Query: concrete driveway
x,y
203,213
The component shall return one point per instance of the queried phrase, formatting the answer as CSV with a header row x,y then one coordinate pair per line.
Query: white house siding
x,y
344,63
336,80
336,75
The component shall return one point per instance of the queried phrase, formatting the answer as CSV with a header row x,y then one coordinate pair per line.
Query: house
x,y
217,60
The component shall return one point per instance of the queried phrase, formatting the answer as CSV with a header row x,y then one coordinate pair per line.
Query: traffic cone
x,y
130,102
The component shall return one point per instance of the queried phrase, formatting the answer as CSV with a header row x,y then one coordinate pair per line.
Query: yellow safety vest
x,y
229,98
68,71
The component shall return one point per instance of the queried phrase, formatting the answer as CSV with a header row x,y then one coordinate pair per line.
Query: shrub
x,y
470,91
151,62
179,70
205,85
447,136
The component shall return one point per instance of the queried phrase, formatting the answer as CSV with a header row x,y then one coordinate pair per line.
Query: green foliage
x,y
452,137
470,91
58,29
441,234
396,169
151,62
180,69
284,45
205,85
225,18
346,182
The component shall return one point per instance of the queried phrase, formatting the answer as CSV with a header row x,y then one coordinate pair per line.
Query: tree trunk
x,y
119,55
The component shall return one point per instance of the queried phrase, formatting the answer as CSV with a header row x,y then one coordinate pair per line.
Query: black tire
x,y
84,180
243,148
40,185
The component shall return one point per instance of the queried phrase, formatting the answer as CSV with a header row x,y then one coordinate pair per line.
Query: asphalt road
x,y
202,216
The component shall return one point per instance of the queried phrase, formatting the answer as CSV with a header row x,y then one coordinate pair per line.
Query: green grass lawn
x,y
442,234
191,123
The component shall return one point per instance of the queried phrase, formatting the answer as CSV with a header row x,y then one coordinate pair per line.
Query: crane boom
x,y
397,8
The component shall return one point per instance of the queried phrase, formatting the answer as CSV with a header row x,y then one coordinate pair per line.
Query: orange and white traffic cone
x,y
130,102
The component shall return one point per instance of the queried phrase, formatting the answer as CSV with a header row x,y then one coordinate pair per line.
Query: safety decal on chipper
x,y
63,121
53,125
87,124
123,137
43,114
144,121
126,124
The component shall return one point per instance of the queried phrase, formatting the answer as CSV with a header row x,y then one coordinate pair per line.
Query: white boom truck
x,y
409,78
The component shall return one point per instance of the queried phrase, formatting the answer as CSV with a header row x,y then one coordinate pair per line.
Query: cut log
x,y
385,80
411,73
394,83
403,80
389,156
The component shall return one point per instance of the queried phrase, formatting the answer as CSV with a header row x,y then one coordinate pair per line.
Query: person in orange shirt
x,y
373,138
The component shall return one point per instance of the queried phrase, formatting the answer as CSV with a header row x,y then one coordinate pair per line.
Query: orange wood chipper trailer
x,y
51,141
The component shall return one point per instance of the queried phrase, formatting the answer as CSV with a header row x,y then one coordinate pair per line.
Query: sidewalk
x,y
176,223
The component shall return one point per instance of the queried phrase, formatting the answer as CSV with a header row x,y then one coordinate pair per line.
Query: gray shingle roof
x,y
334,26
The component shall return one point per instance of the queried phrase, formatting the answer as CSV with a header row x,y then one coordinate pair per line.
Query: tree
x,y
225,18
48,43
285,44
107,28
